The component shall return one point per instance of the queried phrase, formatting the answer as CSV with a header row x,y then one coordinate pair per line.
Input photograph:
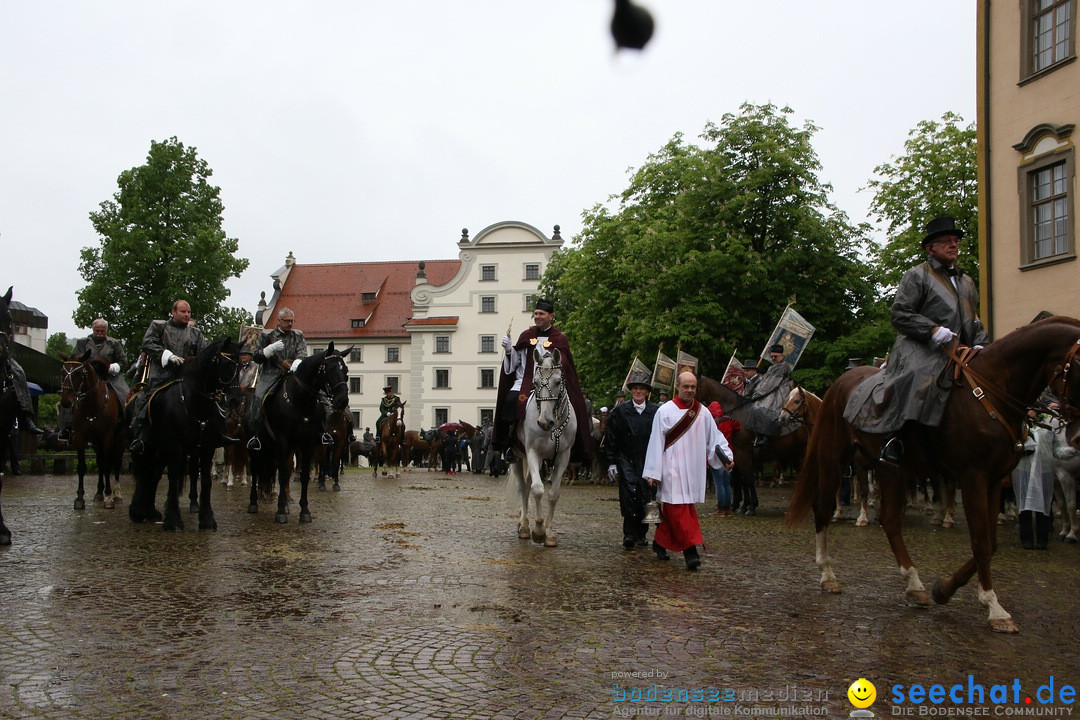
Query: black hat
x,y
639,377
388,387
941,226
777,348
545,305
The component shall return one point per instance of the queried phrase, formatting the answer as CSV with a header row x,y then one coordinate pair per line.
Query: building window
x,y
1048,35
357,355
442,378
532,271
487,377
487,416
487,272
368,297
393,354
356,420
530,303
1047,228
487,343
356,385
442,343
487,303
442,416
392,381
358,322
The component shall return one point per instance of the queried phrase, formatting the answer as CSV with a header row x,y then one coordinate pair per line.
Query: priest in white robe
x,y
683,442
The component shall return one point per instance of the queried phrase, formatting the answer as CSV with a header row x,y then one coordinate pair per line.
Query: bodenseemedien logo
x,y
861,694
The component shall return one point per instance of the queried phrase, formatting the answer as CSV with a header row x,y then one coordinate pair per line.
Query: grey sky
x,y
351,131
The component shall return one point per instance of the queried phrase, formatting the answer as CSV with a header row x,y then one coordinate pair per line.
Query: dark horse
x,y
295,422
784,450
388,446
186,417
97,420
8,401
976,445
339,425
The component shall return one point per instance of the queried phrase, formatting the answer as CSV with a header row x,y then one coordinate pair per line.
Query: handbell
x,y
652,513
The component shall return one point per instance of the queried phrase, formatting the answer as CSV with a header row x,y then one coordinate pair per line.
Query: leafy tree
x,y
704,250
161,239
936,175
58,343
226,324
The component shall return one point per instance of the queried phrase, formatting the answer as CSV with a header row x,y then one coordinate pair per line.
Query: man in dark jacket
x,y
936,303
626,443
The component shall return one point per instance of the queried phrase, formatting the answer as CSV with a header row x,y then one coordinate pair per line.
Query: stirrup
x,y
254,444
892,451
137,446
327,439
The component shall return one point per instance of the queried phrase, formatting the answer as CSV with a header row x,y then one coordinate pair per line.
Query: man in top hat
x,y
625,444
515,381
769,395
936,304
389,403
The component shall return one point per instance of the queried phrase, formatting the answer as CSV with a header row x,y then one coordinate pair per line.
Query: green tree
x,y
704,250
161,239
936,175
58,343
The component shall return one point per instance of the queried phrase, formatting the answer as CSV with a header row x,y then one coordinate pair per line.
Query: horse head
x,y
6,322
795,405
335,376
548,389
214,370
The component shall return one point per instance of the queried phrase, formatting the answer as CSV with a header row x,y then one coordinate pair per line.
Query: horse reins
x,y
67,383
545,379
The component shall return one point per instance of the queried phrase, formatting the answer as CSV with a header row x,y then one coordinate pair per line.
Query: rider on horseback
x,y
390,402
165,344
99,344
515,381
936,303
280,350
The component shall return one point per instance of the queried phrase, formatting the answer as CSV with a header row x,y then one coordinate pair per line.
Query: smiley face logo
x,y
862,693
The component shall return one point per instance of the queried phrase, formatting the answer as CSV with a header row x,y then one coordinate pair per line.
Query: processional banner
x,y
793,332
663,376
734,375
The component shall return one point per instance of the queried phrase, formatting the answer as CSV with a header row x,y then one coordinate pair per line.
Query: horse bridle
x,y
67,383
561,400
1062,373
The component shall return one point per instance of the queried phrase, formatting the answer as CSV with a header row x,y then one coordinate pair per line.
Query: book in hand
x,y
722,455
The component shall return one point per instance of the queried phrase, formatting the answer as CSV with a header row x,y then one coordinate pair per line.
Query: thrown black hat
x,y
937,227
545,305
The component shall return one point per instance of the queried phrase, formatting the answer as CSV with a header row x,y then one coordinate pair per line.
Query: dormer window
x,y
358,322
368,297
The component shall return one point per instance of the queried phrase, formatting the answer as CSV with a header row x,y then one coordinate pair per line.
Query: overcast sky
x,y
377,130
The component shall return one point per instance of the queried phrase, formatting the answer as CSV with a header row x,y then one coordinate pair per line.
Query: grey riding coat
x,y
110,348
182,340
295,347
908,387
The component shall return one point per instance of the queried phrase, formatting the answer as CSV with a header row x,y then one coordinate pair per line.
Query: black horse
x,y
294,419
9,406
186,417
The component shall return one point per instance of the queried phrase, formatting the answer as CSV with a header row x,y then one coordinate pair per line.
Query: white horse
x,y
547,433
1066,471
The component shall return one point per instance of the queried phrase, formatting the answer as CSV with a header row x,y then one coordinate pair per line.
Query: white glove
x,y
114,369
507,344
613,472
943,335
274,347
168,357
295,364
977,347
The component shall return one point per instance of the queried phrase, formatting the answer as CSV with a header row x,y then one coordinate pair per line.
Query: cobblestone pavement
x,y
413,598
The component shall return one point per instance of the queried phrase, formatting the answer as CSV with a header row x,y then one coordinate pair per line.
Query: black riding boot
x,y
1043,525
1027,535
26,422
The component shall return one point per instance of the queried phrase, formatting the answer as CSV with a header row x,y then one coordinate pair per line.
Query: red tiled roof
x,y
444,320
327,298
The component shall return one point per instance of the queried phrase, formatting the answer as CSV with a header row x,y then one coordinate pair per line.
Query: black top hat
x,y
937,227
641,378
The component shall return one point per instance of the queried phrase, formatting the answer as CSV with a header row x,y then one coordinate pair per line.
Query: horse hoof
x,y
1070,540
193,508
918,598
211,525
253,508
305,517
551,542
935,521
321,487
938,592
281,518
99,497
538,537
109,503
1003,625
948,524
523,533
5,538
337,488
831,586
80,504
861,523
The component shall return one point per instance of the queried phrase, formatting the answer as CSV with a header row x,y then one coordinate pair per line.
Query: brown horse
x,y
388,445
97,420
976,445
804,406
339,425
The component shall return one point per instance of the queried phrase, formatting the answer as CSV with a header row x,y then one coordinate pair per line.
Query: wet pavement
x,y
413,598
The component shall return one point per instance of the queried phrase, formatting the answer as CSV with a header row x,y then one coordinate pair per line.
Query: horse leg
x,y
80,501
257,473
515,475
553,497
207,521
5,534
282,515
838,514
893,501
194,474
305,478
176,465
981,500
536,490
949,520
